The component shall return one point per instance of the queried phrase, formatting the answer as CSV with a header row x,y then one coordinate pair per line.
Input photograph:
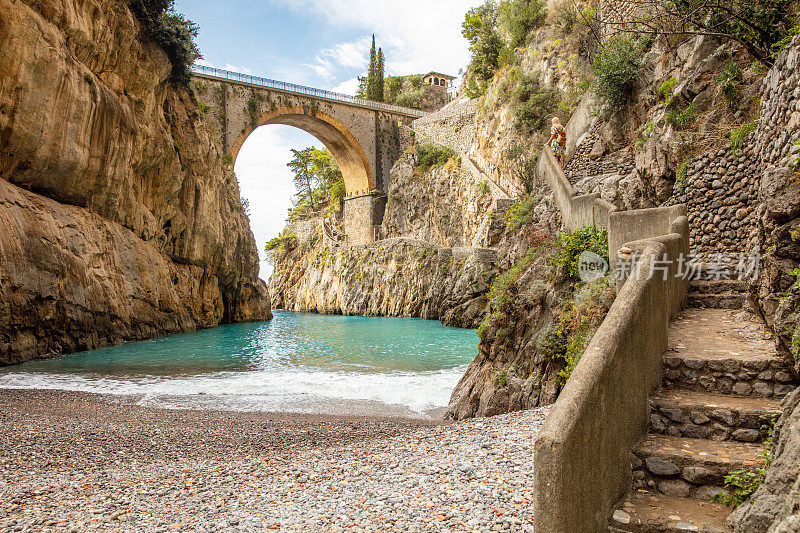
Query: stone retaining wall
x,y
452,126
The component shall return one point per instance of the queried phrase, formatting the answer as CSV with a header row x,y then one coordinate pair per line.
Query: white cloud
x,y
347,87
342,55
417,36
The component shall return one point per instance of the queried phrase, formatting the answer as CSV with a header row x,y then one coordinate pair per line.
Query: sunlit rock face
x,y
118,219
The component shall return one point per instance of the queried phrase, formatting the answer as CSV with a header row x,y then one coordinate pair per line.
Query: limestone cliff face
x,y
394,277
118,219
447,206
435,260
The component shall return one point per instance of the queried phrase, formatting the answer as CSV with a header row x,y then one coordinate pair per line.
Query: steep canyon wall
x,y
118,219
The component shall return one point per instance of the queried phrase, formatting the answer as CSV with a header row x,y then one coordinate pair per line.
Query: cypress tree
x,y
379,76
372,72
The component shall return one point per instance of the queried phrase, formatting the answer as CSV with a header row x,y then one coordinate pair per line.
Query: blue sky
x,y
320,43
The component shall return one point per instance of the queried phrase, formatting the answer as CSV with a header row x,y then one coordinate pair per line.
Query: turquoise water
x,y
296,362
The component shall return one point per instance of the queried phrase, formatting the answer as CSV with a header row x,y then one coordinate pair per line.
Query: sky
x,y
323,44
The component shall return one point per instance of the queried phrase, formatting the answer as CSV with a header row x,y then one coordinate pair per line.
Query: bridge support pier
x,y
363,214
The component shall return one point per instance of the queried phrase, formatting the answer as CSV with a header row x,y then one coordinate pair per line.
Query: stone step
x,y
646,512
724,352
689,468
724,300
684,413
717,286
764,376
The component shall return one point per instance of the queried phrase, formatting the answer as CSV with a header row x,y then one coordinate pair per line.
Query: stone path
x,y
722,383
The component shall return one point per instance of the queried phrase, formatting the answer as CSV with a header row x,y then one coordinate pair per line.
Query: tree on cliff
x,y
317,180
371,86
762,27
304,179
170,30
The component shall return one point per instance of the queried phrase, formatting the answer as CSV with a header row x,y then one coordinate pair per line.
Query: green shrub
x,y
501,378
88,78
616,65
728,82
739,137
480,29
666,89
432,156
521,213
568,247
536,104
740,485
680,120
519,17
680,177
227,160
567,338
172,32
412,98
794,162
278,247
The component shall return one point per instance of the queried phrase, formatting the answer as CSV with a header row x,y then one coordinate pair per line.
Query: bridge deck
x,y
227,75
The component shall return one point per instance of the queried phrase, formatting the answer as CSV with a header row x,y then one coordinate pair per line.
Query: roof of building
x,y
440,75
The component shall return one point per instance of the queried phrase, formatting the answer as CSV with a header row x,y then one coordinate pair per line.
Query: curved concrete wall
x,y
582,455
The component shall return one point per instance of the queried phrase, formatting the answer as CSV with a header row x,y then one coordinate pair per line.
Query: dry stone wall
x,y
453,126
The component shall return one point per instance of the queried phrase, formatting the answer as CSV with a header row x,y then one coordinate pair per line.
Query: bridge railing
x,y
301,89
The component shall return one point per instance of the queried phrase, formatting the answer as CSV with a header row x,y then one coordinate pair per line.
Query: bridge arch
x,y
340,142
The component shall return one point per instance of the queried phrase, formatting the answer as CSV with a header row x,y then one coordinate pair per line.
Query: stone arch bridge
x,y
364,137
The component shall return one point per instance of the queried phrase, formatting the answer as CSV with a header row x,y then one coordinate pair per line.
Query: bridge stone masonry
x,y
364,137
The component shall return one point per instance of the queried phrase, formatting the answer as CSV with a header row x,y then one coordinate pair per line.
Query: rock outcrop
x,y
446,206
394,277
119,221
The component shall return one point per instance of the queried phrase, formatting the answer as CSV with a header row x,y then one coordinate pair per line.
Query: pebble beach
x,y
77,461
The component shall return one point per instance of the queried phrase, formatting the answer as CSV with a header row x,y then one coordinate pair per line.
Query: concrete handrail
x,y
582,454
576,210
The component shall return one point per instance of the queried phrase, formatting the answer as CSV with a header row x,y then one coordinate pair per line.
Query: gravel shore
x,y
76,462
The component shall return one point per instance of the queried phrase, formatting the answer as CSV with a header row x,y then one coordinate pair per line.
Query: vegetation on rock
x,y
431,156
318,182
173,32
741,484
615,66
760,26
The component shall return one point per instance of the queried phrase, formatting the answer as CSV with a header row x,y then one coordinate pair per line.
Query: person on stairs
x,y
558,141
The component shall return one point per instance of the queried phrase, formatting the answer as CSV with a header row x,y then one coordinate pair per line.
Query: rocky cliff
x,y
434,260
118,219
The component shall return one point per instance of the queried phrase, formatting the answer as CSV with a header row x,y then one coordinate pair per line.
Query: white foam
x,y
295,390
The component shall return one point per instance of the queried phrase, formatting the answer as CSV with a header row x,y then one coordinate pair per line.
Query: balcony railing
x,y
307,91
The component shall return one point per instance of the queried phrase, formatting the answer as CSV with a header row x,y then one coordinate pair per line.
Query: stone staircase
x,y
722,383
721,294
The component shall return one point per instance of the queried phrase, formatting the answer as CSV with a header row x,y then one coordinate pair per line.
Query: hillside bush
x,y
728,82
480,30
568,246
616,65
432,156
171,31
682,119
519,17
278,247
536,104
